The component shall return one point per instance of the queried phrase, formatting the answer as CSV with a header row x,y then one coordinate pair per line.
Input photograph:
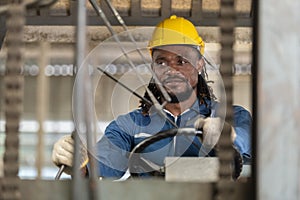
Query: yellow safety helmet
x,y
176,30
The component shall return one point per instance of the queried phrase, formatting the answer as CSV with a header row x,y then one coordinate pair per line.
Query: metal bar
x,y
84,105
130,21
2,30
27,4
72,12
14,85
124,86
116,38
42,105
135,8
166,8
91,125
225,152
59,173
122,23
255,75
136,17
196,11
77,185
44,11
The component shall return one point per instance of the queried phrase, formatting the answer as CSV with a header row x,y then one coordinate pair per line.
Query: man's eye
x,y
183,62
161,63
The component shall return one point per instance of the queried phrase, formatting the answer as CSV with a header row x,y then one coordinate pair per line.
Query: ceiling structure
x,y
55,24
141,12
203,13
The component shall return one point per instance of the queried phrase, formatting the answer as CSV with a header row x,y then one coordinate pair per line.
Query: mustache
x,y
173,77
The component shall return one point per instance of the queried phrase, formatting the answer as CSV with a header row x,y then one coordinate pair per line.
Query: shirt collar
x,y
203,109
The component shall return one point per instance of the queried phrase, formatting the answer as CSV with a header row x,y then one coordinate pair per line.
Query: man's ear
x,y
200,64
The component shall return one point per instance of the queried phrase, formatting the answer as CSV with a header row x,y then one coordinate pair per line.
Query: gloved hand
x,y
63,152
212,128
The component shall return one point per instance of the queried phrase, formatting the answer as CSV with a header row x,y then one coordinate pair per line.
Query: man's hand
x,y
62,153
233,134
212,128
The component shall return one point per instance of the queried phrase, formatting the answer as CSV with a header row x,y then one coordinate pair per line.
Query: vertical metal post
x,y
2,29
14,84
84,105
42,106
278,100
78,189
254,72
135,8
166,8
225,152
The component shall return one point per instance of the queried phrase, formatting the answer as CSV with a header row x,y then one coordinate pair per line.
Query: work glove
x,y
211,130
63,152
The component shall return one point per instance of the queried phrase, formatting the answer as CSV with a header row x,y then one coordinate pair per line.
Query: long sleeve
x,y
242,126
112,151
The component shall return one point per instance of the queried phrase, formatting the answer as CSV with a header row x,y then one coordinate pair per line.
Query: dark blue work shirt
x,y
128,130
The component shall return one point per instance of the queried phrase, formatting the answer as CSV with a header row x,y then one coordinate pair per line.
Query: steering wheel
x,y
139,166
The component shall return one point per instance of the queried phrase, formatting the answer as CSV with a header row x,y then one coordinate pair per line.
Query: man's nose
x,y
172,70
173,65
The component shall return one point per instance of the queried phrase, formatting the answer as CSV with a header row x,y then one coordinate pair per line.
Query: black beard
x,y
176,98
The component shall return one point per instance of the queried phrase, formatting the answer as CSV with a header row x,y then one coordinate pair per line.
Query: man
x,y
178,63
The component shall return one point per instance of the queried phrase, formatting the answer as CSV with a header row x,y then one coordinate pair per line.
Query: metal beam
x,y
2,29
130,21
139,16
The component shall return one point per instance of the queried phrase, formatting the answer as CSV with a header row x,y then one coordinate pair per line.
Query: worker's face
x,y
177,67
